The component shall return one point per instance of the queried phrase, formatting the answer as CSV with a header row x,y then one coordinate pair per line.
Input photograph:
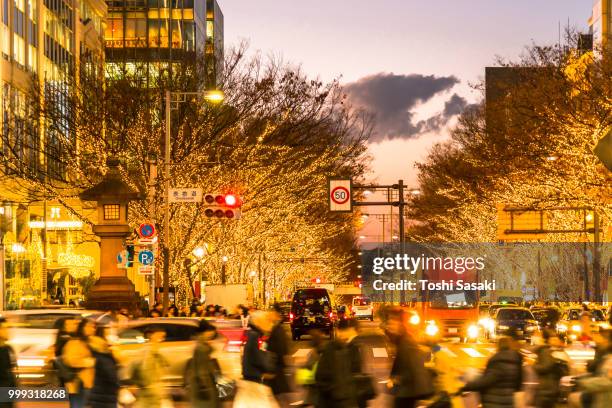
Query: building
x,y
158,31
43,44
600,22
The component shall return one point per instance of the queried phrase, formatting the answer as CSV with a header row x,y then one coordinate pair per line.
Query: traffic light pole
x,y
166,271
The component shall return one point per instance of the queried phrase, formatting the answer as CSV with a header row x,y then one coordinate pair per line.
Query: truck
x,y
450,311
228,296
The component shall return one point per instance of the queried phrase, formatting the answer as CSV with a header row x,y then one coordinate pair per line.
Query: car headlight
x,y
487,323
431,329
577,328
415,319
30,362
530,328
604,326
562,327
473,331
502,327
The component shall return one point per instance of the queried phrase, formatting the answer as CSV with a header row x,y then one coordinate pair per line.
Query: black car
x,y
285,310
516,321
547,317
311,309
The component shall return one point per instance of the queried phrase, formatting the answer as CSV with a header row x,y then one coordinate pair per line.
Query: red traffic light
x,y
231,200
318,280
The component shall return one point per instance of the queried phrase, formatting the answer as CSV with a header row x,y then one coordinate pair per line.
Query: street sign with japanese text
x,y
185,195
340,195
146,270
146,257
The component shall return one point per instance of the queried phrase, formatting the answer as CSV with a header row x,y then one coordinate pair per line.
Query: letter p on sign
x,y
340,195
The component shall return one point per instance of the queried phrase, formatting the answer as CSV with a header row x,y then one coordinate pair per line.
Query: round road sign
x,y
146,230
340,195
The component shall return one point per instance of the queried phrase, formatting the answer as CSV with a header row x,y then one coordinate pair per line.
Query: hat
x,y
205,326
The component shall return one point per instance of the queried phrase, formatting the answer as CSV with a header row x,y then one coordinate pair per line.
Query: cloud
x,y
392,98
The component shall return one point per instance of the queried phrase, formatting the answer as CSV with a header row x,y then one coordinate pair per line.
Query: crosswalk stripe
x,y
472,352
380,352
449,352
296,403
301,353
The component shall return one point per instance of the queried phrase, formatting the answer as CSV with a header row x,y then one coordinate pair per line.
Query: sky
x,y
410,63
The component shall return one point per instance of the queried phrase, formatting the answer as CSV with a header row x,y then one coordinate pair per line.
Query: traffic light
x,y
222,206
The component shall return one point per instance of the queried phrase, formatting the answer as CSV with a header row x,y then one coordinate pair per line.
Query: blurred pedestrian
x,y
600,386
77,356
278,346
173,311
157,310
305,376
348,332
203,391
498,383
256,360
147,373
549,370
446,379
410,381
105,390
66,329
7,361
185,312
244,315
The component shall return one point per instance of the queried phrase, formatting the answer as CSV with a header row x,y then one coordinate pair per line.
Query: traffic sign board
x,y
146,257
340,195
146,230
122,259
185,195
146,270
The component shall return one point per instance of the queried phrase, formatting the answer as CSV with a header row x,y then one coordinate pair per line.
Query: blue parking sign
x,y
145,257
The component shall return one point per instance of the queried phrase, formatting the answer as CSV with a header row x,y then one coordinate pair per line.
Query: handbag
x,y
226,388
366,390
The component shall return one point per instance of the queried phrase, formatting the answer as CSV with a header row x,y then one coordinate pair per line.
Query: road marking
x,y
472,352
380,352
296,403
301,353
383,382
449,352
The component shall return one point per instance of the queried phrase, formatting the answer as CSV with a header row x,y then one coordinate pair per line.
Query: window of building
x,y
5,12
136,32
154,33
19,50
111,212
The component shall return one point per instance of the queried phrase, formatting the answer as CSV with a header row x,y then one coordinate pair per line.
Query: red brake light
x,y
331,315
231,200
291,316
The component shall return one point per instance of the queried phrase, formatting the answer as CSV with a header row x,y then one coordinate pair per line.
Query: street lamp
x,y
213,96
199,252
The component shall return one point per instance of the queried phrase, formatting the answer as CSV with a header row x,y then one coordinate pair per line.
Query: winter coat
x,y
601,389
549,375
203,389
333,378
278,346
147,374
410,377
105,390
447,375
499,381
255,362
77,355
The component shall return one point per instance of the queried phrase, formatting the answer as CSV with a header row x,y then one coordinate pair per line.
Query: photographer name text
x,y
423,284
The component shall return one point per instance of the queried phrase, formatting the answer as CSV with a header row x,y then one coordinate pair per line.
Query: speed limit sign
x,y
340,195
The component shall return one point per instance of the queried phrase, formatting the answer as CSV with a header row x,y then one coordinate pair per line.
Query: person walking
x,y
549,370
348,332
105,390
77,357
334,378
147,373
7,362
202,387
600,386
66,329
409,380
278,347
500,379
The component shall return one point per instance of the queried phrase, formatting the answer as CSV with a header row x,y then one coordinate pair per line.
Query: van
x,y
311,309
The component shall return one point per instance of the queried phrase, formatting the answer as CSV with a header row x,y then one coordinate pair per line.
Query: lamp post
x,y
214,96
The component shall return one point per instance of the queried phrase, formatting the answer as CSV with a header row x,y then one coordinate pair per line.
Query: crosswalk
x,y
453,351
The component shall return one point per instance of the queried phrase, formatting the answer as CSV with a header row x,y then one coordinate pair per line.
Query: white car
x,y
362,308
32,336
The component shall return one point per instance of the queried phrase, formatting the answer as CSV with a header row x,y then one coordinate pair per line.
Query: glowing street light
x,y
214,96
199,252
224,259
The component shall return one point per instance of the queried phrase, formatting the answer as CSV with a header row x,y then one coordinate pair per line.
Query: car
x,y
177,349
32,336
547,316
516,321
486,318
577,322
362,308
311,309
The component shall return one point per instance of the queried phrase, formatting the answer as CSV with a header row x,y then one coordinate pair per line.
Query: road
x,y
376,353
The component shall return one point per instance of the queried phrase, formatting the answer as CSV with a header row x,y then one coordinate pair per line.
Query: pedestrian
x,y
244,316
348,332
410,381
278,346
446,379
498,383
185,312
549,370
77,357
105,390
203,390
256,360
599,386
157,310
66,329
305,376
147,373
7,361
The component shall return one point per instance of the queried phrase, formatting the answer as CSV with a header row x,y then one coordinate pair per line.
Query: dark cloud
x,y
392,98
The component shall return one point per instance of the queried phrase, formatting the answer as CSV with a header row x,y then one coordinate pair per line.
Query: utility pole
x,y
166,271
596,257
401,204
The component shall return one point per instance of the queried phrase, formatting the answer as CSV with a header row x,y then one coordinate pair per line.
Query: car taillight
x,y
291,316
331,315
